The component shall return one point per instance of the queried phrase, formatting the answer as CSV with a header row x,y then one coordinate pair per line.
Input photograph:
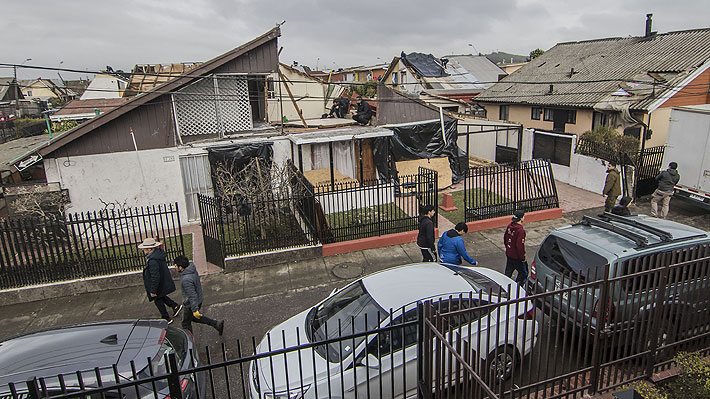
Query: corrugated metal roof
x,y
466,74
583,74
482,69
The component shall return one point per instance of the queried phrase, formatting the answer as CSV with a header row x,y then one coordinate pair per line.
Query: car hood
x,y
299,368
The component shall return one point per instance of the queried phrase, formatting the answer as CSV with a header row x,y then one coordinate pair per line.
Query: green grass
x,y
458,215
370,221
126,251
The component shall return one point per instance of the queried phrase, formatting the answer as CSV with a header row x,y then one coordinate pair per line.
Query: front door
x,y
559,119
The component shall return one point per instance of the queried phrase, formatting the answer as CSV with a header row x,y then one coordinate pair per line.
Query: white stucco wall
x,y
308,93
131,179
584,172
482,145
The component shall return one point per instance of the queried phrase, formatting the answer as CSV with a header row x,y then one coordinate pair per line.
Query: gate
x,y
498,190
649,163
212,228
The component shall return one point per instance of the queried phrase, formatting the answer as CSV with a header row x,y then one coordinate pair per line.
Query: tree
x,y
536,53
367,90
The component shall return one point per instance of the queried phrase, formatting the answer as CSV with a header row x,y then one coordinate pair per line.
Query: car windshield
x,y
173,342
480,283
348,312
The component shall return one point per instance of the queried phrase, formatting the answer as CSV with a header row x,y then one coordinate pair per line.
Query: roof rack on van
x,y
663,235
640,240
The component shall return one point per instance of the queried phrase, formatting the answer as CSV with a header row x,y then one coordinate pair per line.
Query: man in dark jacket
x,y
157,280
514,241
612,186
426,238
192,296
364,112
451,246
666,183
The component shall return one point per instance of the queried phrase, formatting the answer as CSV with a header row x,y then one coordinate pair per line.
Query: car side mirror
x,y
371,361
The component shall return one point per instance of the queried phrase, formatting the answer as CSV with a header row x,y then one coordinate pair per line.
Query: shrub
x,y
693,382
606,143
646,390
367,90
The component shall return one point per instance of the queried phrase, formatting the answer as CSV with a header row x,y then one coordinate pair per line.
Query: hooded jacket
x,y
451,249
426,238
667,179
156,275
612,185
514,240
191,287
364,109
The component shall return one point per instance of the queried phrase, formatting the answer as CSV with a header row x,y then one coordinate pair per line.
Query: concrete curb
x,y
411,236
73,287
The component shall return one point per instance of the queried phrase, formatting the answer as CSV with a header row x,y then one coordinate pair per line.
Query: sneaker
x,y
220,327
176,310
171,321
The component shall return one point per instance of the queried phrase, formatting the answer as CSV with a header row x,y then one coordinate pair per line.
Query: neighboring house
x,y
77,86
155,148
307,94
105,85
512,67
9,90
459,77
500,58
144,77
627,83
45,90
81,110
359,74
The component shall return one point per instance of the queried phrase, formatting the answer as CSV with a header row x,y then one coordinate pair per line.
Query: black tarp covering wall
x,y
424,64
419,141
238,156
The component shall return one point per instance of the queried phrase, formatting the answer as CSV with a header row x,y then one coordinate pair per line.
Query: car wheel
x,y
501,363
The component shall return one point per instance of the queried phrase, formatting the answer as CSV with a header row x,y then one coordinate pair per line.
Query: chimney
x,y
648,24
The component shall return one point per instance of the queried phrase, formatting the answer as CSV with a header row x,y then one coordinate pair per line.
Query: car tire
x,y
501,363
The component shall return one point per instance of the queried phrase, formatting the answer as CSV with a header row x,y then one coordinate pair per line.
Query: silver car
x,y
386,362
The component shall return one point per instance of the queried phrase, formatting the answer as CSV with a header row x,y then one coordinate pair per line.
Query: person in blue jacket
x,y
451,247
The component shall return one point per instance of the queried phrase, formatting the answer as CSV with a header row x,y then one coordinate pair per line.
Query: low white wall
x,y
482,145
584,172
122,179
355,199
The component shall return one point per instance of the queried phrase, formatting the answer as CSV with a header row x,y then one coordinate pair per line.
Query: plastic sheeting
x,y
418,141
238,156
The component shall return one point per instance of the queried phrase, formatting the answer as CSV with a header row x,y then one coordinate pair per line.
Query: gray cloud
x,y
88,35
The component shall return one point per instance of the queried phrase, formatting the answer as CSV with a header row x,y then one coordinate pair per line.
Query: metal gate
x,y
212,228
649,163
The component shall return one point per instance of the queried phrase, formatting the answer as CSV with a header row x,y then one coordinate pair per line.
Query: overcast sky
x,y
90,34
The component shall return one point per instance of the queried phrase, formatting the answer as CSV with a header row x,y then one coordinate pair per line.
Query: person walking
x,y
426,239
192,296
157,280
622,208
666,181
612,186
451,246
514,241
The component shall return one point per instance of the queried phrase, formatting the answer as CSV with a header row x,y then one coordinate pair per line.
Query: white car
x,y
384,364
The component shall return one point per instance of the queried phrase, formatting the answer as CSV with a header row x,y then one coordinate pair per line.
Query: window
x,y
555,148
563,256
535,113
548,115
504,112
29,93
395,77
393,340
572,116
270,88
600,119
403,77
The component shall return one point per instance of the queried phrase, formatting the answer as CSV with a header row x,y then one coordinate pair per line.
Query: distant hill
x,y
499,57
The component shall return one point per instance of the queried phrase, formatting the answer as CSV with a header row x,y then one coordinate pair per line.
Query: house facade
x,y
44,89
629,84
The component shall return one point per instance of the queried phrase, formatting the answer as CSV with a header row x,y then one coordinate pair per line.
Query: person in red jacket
x,y
514,241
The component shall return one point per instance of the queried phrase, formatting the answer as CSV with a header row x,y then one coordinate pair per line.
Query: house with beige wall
x,y
629,84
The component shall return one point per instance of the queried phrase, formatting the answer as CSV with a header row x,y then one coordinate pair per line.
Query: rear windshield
x,y
479,282
563,256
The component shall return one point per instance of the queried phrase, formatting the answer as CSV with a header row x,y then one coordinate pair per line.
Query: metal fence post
x,y
32,389
174,378
655,323
601,321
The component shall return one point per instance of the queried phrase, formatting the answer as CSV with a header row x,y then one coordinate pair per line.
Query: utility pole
x,y
17,84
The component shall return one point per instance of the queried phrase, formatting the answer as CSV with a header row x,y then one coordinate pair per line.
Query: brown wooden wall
x,y
153,123
395,107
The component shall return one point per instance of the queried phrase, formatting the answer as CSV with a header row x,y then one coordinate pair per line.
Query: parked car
x,y
65,350
630,246
386,361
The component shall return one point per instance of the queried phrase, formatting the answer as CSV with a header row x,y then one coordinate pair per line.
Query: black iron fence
x,y
9,132
498,190
44,250
313,215
574,334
